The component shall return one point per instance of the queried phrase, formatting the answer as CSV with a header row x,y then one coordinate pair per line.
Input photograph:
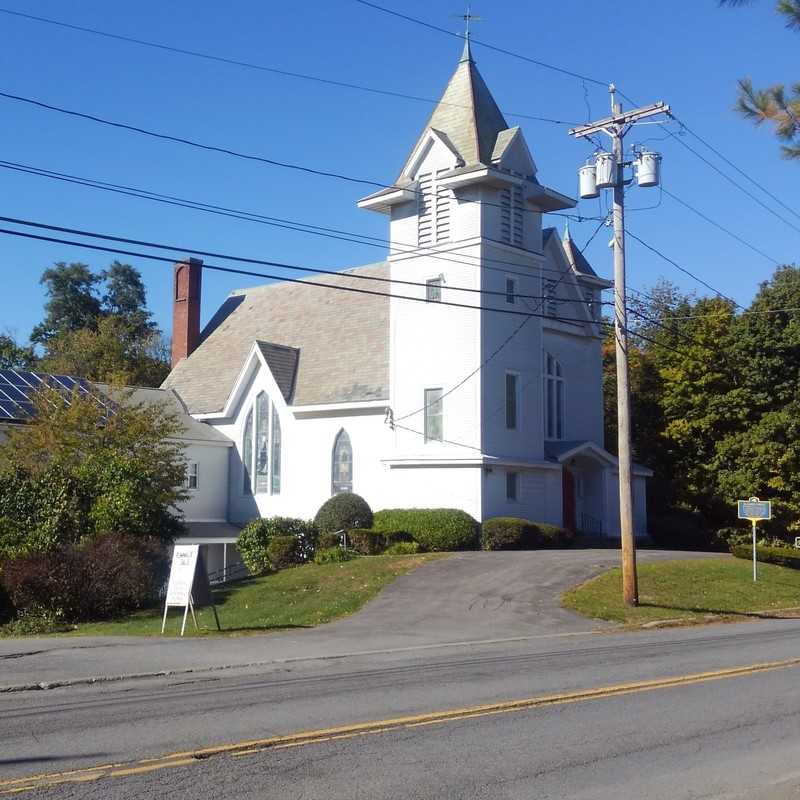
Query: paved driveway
x,y
466,598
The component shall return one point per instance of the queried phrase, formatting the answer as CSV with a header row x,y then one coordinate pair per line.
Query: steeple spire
x,y
468,18
466,55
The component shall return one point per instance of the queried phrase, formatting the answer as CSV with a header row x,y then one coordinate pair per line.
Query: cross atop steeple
x,y
468,19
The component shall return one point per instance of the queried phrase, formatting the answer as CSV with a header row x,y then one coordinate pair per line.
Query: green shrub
x,y
284,551
402,549
255,537
333,555
328,540
366,541
553,535
342,512
435,529
35,621
508,533
782,556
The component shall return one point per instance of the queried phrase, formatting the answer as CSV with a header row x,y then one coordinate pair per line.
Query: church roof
x,y
576,257
468,115
333,346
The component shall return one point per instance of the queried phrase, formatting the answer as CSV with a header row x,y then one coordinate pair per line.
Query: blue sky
x,y
688,53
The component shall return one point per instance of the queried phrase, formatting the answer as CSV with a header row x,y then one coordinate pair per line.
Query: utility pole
x,y
609,172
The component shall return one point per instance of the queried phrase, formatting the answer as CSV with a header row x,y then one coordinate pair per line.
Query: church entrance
x,y
568,500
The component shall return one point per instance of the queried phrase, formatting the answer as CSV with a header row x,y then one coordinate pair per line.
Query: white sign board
x,y
181,574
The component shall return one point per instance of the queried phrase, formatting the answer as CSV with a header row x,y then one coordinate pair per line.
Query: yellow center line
x,y
252,747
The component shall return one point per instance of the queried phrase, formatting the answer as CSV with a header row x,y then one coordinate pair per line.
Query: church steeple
x,y
467,114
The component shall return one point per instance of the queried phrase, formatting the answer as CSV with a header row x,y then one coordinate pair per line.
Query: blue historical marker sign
x,y
755,509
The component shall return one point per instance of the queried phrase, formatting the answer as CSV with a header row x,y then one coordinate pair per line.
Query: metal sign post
x,y
755,510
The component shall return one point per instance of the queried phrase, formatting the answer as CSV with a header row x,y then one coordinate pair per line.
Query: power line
x,y
276,222
739,170
718,225
259,67
257,261
679,267
488,46
501,347
238,154
282,278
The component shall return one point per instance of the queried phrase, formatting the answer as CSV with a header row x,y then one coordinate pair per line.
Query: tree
x,y
125,297
72,303
14,356
109,338
97,464
774,104
114,352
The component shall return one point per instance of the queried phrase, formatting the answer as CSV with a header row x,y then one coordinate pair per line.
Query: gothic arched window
x,y
247,453
261,448
342,465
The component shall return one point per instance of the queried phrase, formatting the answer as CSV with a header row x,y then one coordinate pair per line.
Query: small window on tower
x,y
512,481
433,290
511,291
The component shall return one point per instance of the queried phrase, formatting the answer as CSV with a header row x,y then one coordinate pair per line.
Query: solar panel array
x,y
17,388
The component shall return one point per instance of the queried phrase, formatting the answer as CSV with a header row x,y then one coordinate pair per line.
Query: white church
x,y
483,392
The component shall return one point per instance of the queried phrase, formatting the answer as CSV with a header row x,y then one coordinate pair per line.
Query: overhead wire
x,y
282,278
250,260
245,156
278,222
259,67
500,347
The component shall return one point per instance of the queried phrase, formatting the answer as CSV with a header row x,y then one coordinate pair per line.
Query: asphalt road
x,y
721,736
467,597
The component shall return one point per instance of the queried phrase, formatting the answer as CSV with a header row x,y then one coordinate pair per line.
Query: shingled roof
x,y
323,346
468,115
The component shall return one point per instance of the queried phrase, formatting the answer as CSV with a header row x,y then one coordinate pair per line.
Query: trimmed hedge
x,y
512,533
508,533
434,529
342,512
782,556
254,540
284,551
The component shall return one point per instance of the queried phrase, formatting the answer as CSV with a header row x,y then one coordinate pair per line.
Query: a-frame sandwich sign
x,y
188,585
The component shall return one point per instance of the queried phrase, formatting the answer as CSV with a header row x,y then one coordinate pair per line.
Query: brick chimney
x,y
187,281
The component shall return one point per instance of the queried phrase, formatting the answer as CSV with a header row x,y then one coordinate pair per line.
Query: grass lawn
x,y
301,597
690,591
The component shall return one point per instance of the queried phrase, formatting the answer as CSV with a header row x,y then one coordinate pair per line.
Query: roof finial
x,y
468,18
567,237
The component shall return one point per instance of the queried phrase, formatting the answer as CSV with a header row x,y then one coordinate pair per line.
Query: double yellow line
x,y
246,748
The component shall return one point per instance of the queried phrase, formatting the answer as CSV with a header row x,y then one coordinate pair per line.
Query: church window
x,y
276,453
512,485
262,443
433,415
512,400
511,291
554,405
442,211
433,290
247,453
342,466
191,475
550,291
261,448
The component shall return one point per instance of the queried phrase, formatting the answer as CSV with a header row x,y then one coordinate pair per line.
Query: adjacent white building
x,y
444,400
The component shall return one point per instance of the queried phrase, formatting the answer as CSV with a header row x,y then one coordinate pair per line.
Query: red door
x,y
568,499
